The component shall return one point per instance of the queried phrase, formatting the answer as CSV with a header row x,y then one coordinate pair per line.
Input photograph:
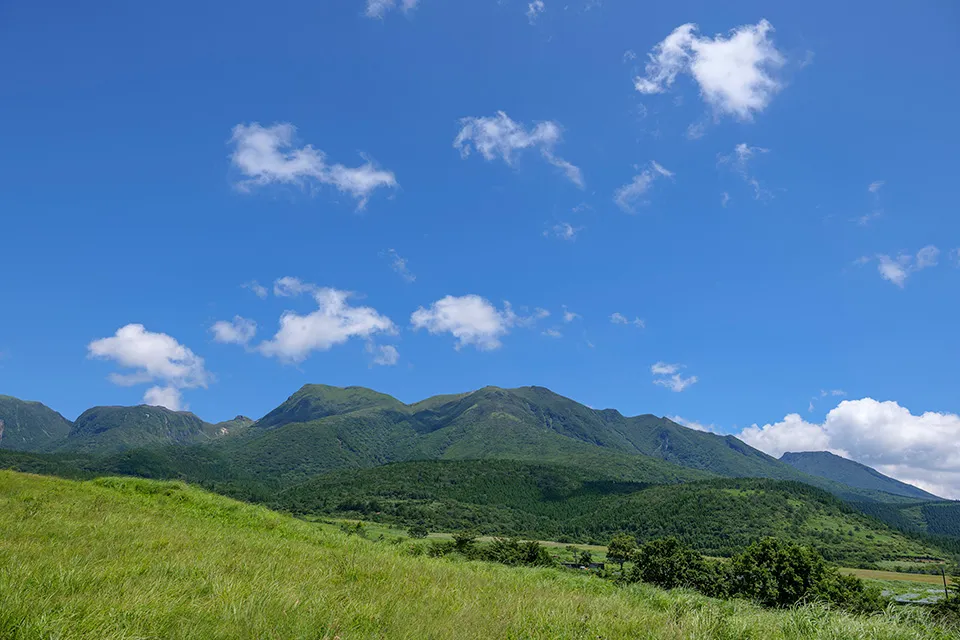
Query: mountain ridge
x,y
851,473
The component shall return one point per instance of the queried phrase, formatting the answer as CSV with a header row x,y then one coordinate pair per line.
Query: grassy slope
x,y
718,516
125,558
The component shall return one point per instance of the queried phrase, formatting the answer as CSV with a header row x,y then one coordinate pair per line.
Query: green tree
x,y
418,531
463,541
620,548
775,573
585,558
668,563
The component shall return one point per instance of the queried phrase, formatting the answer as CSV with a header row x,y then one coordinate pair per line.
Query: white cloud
x,y
735,74
534,9
739,160
956,256
153,357
378,8
569,316
168,397
875,186
258,289
619,318
266,155
919,449
724,199
628,195
238,331
552,333
836,393
471,319
399,265
696,130
563,231
896,270
629,55
691,424
670,376
501,137
384,355
334,322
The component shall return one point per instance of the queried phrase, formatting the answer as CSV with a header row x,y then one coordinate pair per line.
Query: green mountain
x,y
853,474
29,426
321,429
112,429
719,516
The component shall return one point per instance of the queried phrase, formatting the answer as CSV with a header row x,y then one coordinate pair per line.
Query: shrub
x,y
418,531
620,548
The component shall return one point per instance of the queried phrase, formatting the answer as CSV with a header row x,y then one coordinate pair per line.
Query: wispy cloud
x,y
669,376
399,265
501,137
631,194
739,161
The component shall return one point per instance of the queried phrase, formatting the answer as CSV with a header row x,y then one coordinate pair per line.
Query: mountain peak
x,y
839,469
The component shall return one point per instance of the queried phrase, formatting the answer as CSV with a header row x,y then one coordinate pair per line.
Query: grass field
x,y
126,558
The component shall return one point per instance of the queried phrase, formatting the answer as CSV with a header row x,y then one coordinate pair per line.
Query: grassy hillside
x,y
833,467
127,558
29,426
716,517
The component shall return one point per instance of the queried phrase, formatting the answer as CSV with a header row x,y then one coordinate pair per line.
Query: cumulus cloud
x,y
153,357
619,318
238,331
471,319
920,449
898,269
334,322
534,9
267,155
739,161
501,137
384,355
563,231
379,8
399,265
569,316
736,74
629,195
669,376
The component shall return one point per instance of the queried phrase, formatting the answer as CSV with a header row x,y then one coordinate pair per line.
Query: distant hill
x,y
112,429
833,467
499,497
29,426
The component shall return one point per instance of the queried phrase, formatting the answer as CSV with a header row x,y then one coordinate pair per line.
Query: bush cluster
x,y
771,572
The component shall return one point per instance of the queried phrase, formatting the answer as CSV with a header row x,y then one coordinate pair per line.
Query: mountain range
x,y
576,460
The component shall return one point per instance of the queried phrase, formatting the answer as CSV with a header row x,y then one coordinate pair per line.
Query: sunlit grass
x,y
126,558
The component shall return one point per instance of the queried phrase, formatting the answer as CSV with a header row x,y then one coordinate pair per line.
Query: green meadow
x,y
126,558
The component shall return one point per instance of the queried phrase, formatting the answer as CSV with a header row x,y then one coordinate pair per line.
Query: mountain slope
x,y
29,426
336,428
112,429
720,516
833,467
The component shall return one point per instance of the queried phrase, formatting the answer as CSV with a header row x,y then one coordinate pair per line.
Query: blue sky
x,y
791,228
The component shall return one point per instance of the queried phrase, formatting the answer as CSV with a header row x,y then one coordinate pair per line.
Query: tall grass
x,y
135,559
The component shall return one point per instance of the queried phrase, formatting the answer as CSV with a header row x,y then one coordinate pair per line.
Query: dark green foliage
x,y
516,552
463,541
668,563
853,474
29,426
495,497
620,548
418,531
584,558
776,573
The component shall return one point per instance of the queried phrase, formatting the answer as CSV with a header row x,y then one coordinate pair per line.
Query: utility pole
x,y
946,594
